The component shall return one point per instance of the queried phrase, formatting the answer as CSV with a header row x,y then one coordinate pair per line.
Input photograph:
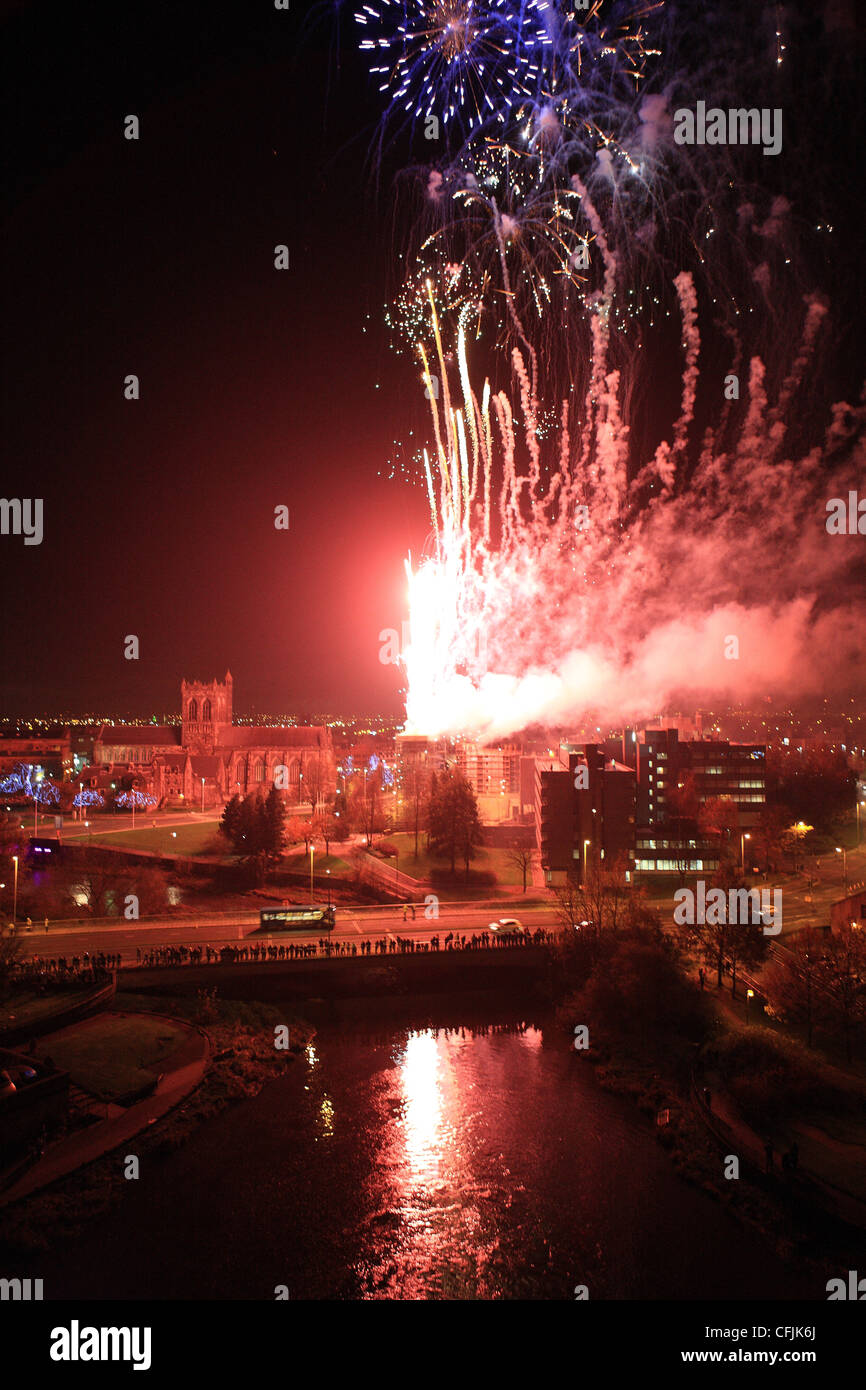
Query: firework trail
x,y
552,594
582,559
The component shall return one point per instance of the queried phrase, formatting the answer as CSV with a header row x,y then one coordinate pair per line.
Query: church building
x,y
207,758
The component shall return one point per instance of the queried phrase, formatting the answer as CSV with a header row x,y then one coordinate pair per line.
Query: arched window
x,y
260,772
192,713
240,776
295,776
205,712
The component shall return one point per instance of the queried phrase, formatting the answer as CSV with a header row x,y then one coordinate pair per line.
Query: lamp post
x,y
312,854
81,801
202,796
844,854
743,838
15,891
585,847
859,804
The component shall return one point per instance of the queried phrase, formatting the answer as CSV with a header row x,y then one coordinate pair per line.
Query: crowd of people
x,y
263,951
84,969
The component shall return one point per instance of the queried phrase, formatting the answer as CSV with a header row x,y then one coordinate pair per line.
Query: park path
x,y
810,1180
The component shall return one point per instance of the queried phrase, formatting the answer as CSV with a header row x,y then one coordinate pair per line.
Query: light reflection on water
x,y
440,1185
425,1163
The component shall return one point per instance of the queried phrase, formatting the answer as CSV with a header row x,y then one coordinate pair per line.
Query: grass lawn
x,y
23,1009
197,838
493,860
112,1055
299,862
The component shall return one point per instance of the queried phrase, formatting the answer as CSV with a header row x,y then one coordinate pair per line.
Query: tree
x,y
256,826
10,949
728,936
747,946
329,828
637,992
795,978
598,905
297,830
416,784
684,805
455,827
521,859
230,820
364,811
769,835
842,975
272,814
719,815
817,786
313,786
96,880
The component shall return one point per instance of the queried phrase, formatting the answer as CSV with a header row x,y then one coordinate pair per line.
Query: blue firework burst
x,y
464,62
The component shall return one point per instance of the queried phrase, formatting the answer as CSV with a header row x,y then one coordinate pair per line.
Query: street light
x,y
743,838
859,804
202,796
15,891
312,854
844,854
585,847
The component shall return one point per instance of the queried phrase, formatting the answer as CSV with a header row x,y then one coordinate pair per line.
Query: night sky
x,y
258,388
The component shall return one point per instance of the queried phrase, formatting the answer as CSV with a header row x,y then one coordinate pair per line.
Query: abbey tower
x,y
206,709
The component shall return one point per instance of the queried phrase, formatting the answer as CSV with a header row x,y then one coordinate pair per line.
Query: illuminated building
x,y
585,812
209,758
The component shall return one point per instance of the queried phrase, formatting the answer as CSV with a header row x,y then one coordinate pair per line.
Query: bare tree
x,y
795,980
597,906
521,859
843,981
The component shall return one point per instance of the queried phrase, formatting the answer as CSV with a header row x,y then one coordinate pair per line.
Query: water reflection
x,y
421,1085
442,1190
480,1163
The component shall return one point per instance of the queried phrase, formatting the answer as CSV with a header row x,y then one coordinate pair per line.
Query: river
x,y
418,1163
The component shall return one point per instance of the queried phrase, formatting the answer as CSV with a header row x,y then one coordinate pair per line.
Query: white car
x,y
507,926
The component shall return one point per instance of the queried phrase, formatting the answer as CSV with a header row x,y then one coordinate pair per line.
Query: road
x,y
353,924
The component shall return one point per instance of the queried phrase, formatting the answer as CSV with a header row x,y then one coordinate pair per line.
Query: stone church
x,y
208,758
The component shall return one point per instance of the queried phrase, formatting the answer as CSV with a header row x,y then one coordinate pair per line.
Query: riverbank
x,y
659,1080
238,1058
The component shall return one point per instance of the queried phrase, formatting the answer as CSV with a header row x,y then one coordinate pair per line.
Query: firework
x,y
463,62
582,585
582,555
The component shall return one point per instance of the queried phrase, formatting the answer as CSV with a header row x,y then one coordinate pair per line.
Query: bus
x,y
297,919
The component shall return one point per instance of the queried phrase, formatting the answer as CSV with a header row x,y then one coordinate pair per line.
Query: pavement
x,y
353,923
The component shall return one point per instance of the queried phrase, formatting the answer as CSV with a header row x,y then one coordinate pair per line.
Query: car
x,y
507,926
20,1075
7,1085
